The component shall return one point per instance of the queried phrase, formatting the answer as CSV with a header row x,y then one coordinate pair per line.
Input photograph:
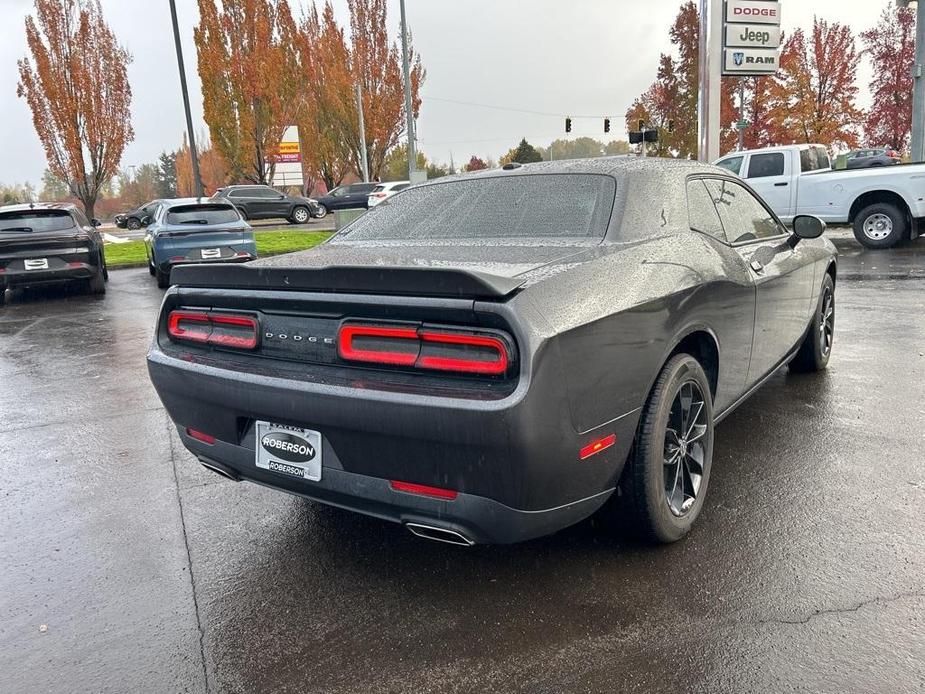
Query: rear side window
x,y
701,211
378,189
813,159
744,217
764,165
35,221
497,207
733,164
201,214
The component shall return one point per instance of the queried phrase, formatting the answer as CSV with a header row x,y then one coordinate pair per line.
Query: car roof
x,y
775,148
393,183
20,207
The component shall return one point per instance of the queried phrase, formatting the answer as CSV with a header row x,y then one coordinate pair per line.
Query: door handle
x,y
780,185
756,266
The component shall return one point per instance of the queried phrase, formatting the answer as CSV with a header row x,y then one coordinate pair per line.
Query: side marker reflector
x,y
200,436
597,446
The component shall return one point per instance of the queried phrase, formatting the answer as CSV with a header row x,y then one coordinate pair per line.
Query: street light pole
x,y
917,152
194,156
364,162
406,70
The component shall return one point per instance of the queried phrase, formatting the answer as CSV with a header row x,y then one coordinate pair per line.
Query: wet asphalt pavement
x,y
126,567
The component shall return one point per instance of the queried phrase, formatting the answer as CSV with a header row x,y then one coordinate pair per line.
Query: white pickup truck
x,y
884,204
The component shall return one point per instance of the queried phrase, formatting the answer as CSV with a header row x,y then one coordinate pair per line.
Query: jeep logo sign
x,y
289,447
752,36
753,12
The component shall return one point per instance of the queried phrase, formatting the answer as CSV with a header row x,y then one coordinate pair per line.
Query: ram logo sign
x,y
751,62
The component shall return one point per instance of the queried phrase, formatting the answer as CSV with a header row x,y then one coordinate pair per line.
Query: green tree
x,y
579,148
524,153
395,165
53,188
437,170
615,147
167,175
17,193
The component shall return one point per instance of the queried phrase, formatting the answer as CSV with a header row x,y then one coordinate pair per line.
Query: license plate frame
x,y
280,448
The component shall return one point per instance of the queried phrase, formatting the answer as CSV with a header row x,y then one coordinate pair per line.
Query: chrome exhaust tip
x,y
219,470
430,532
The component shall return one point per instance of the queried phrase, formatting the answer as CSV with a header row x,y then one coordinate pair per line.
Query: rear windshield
x,y
378,189
519,206
202,214
36,220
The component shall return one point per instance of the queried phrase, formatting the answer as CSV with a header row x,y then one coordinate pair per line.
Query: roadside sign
x,y
753,11
752,36
751,61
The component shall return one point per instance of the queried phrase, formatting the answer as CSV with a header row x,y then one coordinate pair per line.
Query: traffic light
x,y
606,125
671,125
568,125
642,124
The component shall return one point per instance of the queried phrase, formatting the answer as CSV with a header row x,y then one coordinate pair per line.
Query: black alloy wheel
x,y
664,483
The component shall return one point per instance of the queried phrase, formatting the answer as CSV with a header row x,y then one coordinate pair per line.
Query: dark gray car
x,y
264,202
497,355
864,158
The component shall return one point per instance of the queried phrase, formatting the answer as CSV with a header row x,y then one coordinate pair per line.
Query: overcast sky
x,y
582,57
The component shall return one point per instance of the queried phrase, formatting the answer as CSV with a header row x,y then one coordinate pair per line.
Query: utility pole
x,y
406,70
917,152
711,67
363,160
741,124
194,155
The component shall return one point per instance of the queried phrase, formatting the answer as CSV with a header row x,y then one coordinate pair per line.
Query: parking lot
x,y
128,567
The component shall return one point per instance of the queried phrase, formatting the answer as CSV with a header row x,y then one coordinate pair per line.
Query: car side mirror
x,y
95,222
806,226
146,220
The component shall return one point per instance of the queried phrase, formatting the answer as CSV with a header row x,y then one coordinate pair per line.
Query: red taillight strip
x,y
237,341
424,490
499,366
176,331
207,335
346,350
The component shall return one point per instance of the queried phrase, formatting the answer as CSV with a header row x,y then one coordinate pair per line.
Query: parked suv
x,y
352,195
43,243
264,202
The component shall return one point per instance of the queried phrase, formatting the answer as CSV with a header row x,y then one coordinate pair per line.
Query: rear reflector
x,y
200,436
221,329
423,490
75,265
597,446
424,348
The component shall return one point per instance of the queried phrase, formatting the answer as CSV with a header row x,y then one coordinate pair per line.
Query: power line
x,y
509,109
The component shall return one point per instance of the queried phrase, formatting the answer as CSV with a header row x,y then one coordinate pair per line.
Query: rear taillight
x,y
425,348
221,329
378,195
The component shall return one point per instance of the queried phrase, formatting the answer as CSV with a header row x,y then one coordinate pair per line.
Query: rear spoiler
x,y
349,279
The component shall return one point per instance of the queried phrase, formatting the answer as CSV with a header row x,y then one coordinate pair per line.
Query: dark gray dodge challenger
x,y
494,356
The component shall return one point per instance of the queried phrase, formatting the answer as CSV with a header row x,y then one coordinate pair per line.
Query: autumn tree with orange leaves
x,y
376,65
674,94
77,88
813,94
891,48
247,65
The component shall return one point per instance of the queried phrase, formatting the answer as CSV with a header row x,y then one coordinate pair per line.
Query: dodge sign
x,y
753,11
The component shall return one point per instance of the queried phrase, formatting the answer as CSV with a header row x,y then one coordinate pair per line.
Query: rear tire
x,y
300,215
817,345
163,278
665,480
98,283
151,269
880,225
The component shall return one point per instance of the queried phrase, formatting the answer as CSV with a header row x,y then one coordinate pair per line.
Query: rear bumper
x,y
513,462
476,518
72,272
165,266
